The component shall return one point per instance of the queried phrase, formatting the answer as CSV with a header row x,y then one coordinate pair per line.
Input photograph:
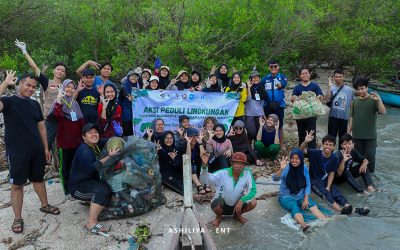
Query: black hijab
x,y
195,84
214,87
164,81
112,105
223,138
166,148
233,87
223,77
295,179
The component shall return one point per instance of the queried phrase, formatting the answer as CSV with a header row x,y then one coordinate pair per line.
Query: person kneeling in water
x,y
235,188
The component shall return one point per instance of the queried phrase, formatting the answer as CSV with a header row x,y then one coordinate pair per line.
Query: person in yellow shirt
x,y
236,85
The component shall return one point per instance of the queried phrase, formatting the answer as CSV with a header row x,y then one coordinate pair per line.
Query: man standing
x,y
362,123
105,71
26,145
308,124
339,98
235,187
88,97
275,83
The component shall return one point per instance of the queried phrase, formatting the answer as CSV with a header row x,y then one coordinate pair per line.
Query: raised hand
x,y
375,96
10,79
61,92
21,45
80,85
223,89
213,69
200,137
158,145
228,153
198,87
149,132
173,81
100,89
309,136
346,156
145,84
187,138
173,154
94,64
208,83
180,131
276,125
262,121
104,101
249,84
233,69
330,81
129,97
231,132
283,162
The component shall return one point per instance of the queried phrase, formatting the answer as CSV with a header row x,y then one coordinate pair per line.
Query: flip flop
x,y
362,211
97,230
305,229
347,210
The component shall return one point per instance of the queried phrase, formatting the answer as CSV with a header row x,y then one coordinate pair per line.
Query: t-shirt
x,y
364,115
50,93
355,157
320,167
98,81
88,100
341,104
21,117
313,86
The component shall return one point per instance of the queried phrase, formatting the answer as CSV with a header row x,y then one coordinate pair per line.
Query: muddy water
x,y
380,230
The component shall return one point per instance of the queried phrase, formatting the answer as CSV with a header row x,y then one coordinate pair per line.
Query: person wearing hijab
x,y
181,82
70,121
144,77
156,131
171,162
164,77
212,85
295,189
219,148
222,75
254,107
236,85
125,100
240,142
267,142
195,80
153,83
109,113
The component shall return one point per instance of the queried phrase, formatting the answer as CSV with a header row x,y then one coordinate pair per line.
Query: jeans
x,y
349,176
332,196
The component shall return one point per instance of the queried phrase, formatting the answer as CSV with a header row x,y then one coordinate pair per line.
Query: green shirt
x,y
364,113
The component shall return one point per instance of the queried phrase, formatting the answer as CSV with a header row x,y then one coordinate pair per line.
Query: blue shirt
x,y
320,166
98,81
340,107
270,82
313,86
284,190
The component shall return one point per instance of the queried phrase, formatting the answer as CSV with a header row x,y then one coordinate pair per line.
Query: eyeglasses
x,y
237,128
273,66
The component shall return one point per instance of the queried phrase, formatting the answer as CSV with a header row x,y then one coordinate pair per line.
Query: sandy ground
x,y
66,231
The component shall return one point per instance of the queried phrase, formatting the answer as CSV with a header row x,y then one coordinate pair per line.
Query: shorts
x,y
280,112
226,209
25,166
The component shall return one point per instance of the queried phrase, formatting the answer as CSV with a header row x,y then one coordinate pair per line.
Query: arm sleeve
x,y
44,81
308,183
253,190
243,95
296,91
213,179
6,103
359,158
58,114
39,110
318,90
284,81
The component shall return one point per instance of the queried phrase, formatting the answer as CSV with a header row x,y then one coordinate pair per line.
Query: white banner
x,y
169,105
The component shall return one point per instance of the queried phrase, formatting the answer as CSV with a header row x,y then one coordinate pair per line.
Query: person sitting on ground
x,y
346,172
219,148
267,143
156,130
153,84
105,72
195,80
171,162
109,113
88,97
323,166
254,107
164,77
235,188
237,86
84,181
295,189
125,99
240,142
212,85
181,82
26,144
208,127
70,121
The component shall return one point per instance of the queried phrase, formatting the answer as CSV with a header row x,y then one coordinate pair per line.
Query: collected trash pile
x,y
308,105
135,180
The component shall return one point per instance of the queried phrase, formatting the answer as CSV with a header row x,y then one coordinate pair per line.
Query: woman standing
x,y
236,85
109,113
125,101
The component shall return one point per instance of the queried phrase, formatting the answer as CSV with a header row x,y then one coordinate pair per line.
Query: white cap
x,y
154,78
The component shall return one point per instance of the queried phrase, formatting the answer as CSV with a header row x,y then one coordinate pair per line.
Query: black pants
x,y
306,125
66,157
337,127
349,176
127,128
173,183
95,191
218,163
367,147
51,131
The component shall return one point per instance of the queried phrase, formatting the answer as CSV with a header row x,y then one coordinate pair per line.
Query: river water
x,y
379,230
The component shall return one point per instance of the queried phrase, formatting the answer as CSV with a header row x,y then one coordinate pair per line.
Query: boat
x,y
389,95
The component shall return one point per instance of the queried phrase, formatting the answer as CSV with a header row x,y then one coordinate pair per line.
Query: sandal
x,y
362,211
207,188
347,210
98,230
48,209
18,226
200,189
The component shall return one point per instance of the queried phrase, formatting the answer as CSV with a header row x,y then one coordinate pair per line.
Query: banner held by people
x,y
169,105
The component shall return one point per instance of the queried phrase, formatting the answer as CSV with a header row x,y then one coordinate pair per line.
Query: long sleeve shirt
x,y
216,149
284,190
231,191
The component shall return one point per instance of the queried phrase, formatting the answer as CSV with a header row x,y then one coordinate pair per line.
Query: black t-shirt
x,y
44,81
88,100
21,117
355,157
319,165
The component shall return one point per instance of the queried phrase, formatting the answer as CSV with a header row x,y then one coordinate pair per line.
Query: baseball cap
x,y
88,72
89,126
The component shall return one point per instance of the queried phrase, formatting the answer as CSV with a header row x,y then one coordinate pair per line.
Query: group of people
x,y
81,116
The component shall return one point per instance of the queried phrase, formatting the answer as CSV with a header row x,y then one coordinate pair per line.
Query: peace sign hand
x,y
249,84
158,145
180,131
262,121
231,132
309,136
61,92
186,137
129,97
330,82
375,96
283,162
10,78
173,154
80,85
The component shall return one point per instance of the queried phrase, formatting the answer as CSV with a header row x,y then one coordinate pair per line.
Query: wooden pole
x,y
187,182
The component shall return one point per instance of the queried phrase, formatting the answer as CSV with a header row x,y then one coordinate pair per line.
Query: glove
x,y
157,63
117,128
21,45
